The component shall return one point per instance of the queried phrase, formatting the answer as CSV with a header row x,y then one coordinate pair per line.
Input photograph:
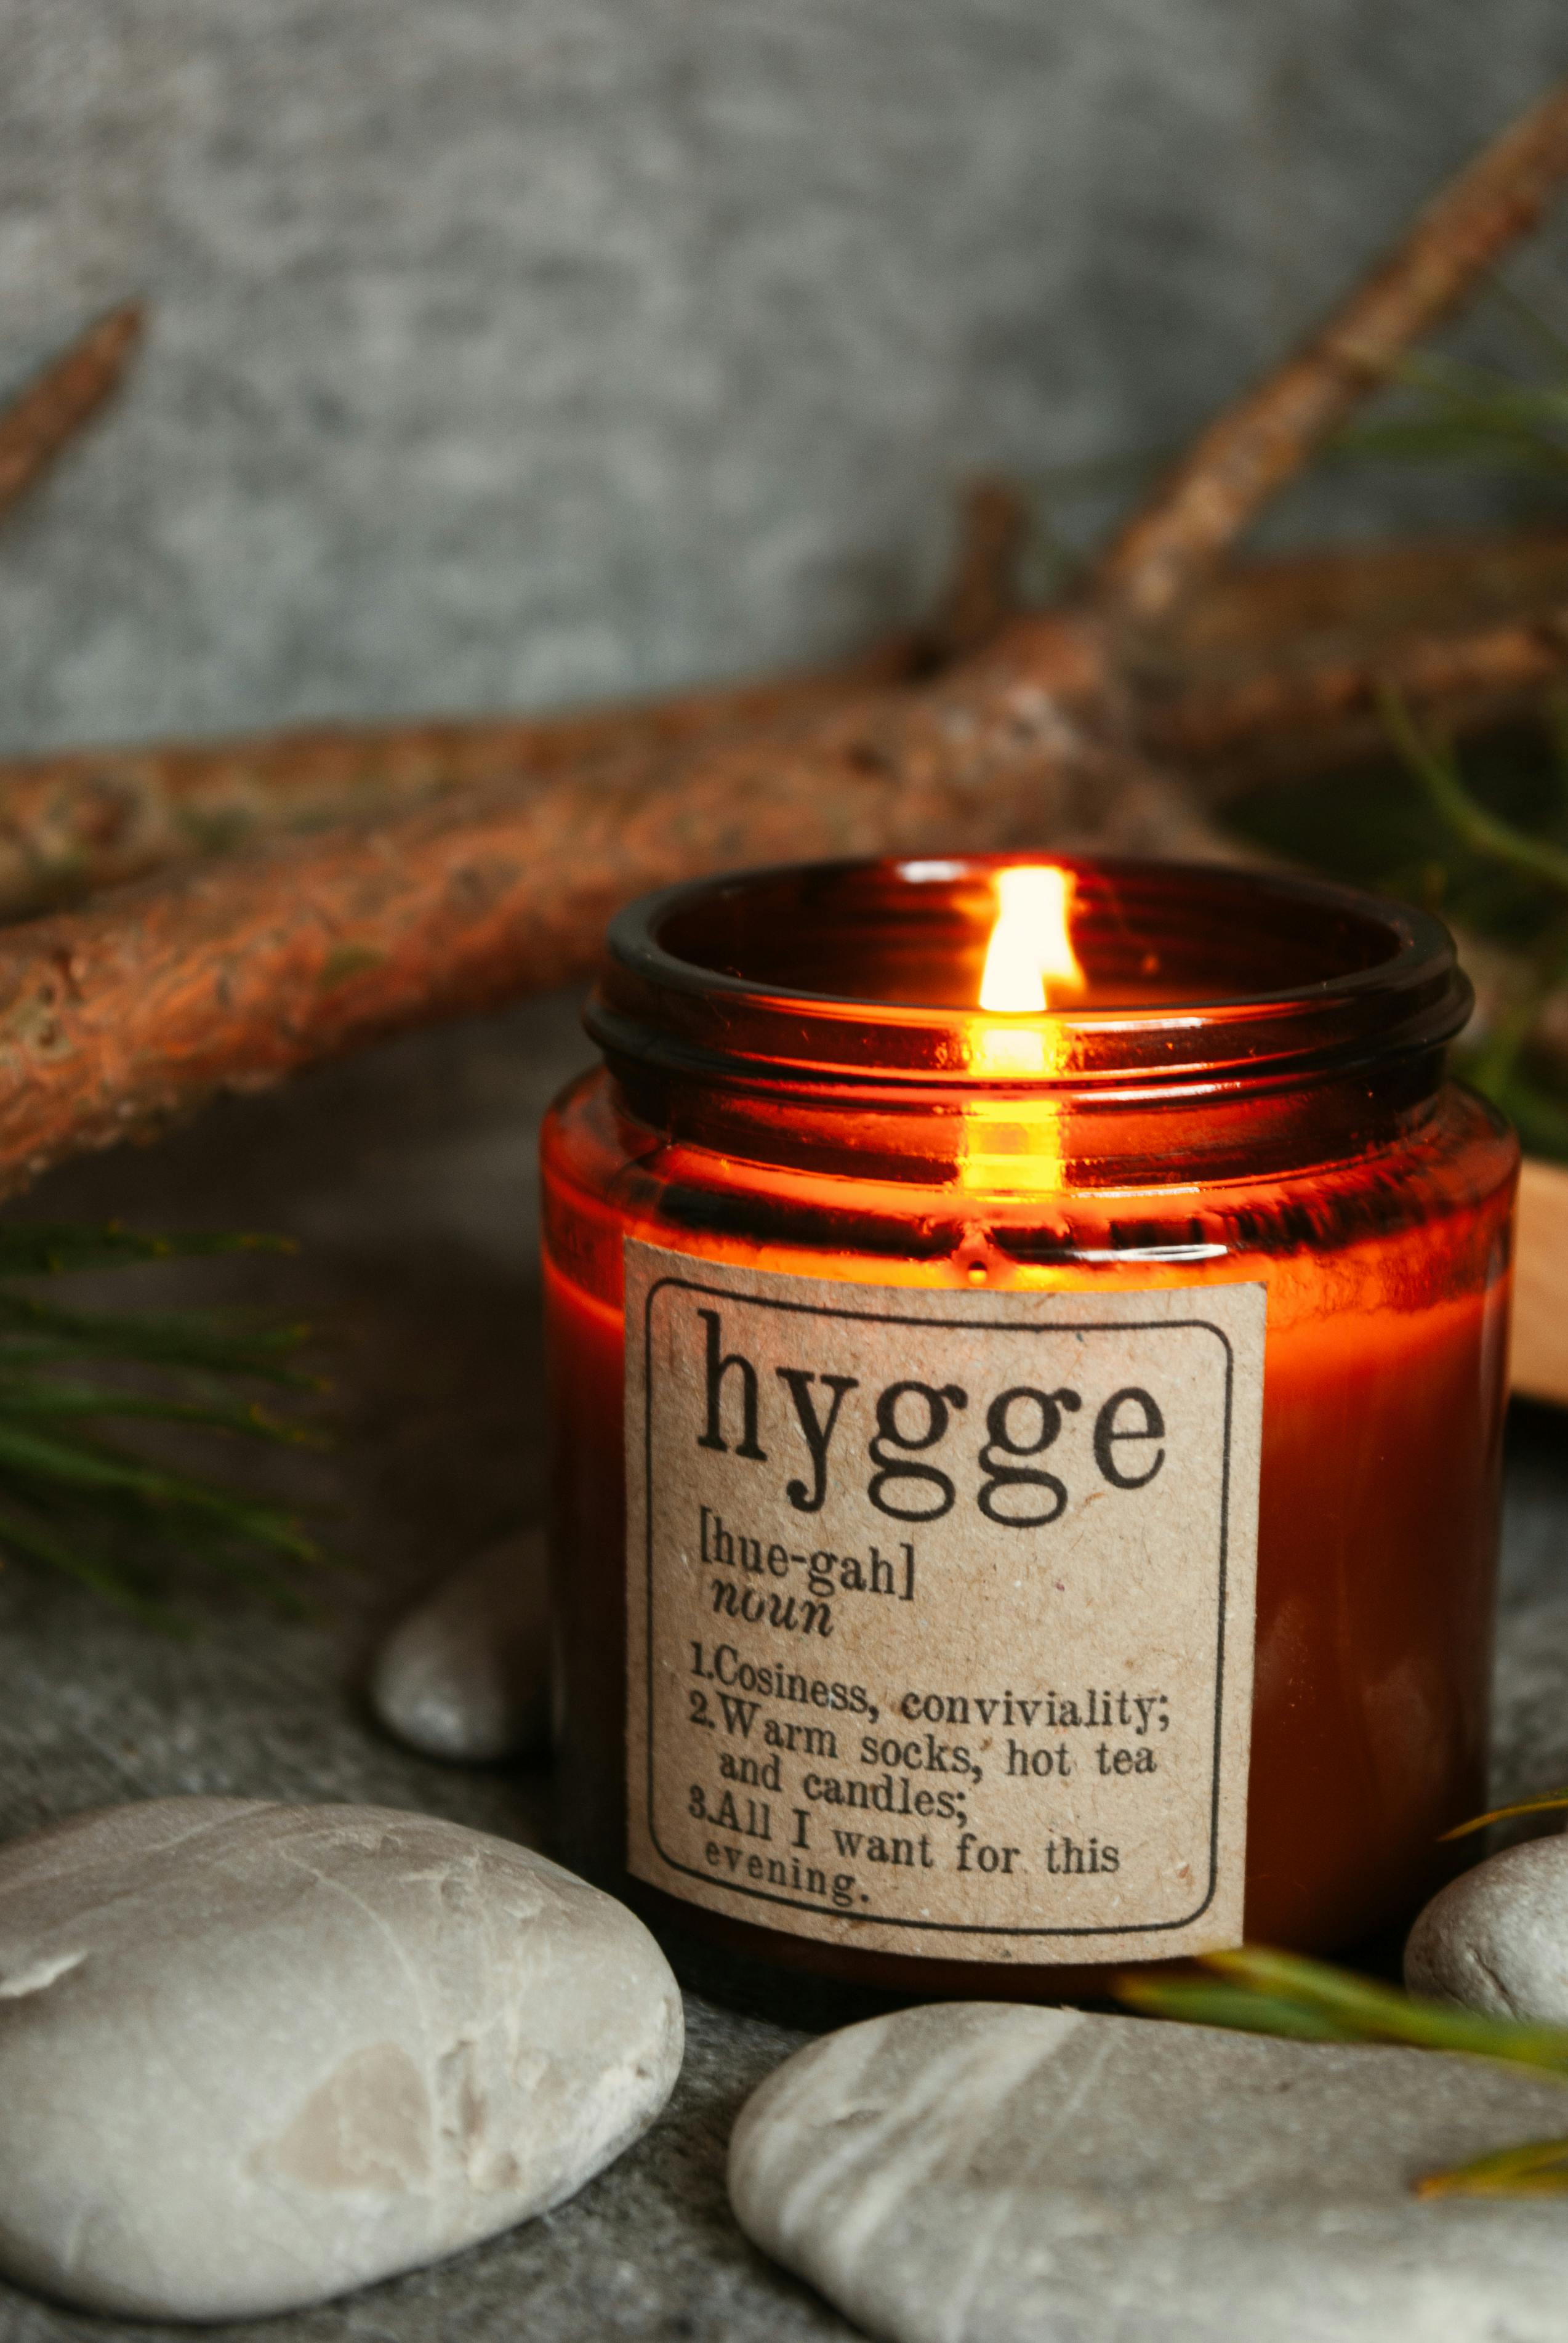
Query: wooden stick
x,y
1302,719
59,400
1539,1366
1274,668
232,973
983,593
81,820
84,819
1258,615
1234,468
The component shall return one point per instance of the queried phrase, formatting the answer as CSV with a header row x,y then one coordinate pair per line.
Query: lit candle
x,y
1027,1352
1029,967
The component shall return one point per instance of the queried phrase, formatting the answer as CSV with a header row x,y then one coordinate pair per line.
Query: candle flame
x,y
1029,967
1030,948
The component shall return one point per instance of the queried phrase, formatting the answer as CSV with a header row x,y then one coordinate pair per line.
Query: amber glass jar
x,y
967,1352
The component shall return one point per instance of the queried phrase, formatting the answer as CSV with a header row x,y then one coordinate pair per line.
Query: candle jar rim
x,y
695,977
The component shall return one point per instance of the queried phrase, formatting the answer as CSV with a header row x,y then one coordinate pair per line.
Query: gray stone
x,y
977,2173
252,2055
1497,1938
466,1676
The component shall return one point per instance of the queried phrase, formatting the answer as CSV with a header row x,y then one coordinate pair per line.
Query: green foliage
x,y
75,1494
1551,1802
1375,824
1485,845
1257,1991
1264,1992
1451,412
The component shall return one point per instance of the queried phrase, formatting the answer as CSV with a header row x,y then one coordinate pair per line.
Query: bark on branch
x,y
80,820
1302,719
1274,668
60,400
1278,667
236,971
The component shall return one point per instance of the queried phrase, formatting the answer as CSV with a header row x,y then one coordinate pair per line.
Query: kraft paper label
x,y
940,1609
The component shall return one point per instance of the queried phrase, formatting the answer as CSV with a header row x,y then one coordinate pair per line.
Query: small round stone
x,y
1496,1938
466,1676
252,2055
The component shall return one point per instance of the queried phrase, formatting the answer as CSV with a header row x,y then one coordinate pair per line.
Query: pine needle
x,y
1484,841
1550,1802
1435,765
74,1498
1537,2168
1266,1992
1257,1991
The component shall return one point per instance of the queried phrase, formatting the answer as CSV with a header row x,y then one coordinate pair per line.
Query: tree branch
x,y
1434,765
1301,608
232,973
58,401
1205,502
1301,718
982,592
81,820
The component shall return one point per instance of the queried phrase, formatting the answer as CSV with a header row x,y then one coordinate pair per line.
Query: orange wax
x,y
1247,1089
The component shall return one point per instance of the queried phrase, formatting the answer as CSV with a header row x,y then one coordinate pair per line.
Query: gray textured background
x,y
518,351
510,351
